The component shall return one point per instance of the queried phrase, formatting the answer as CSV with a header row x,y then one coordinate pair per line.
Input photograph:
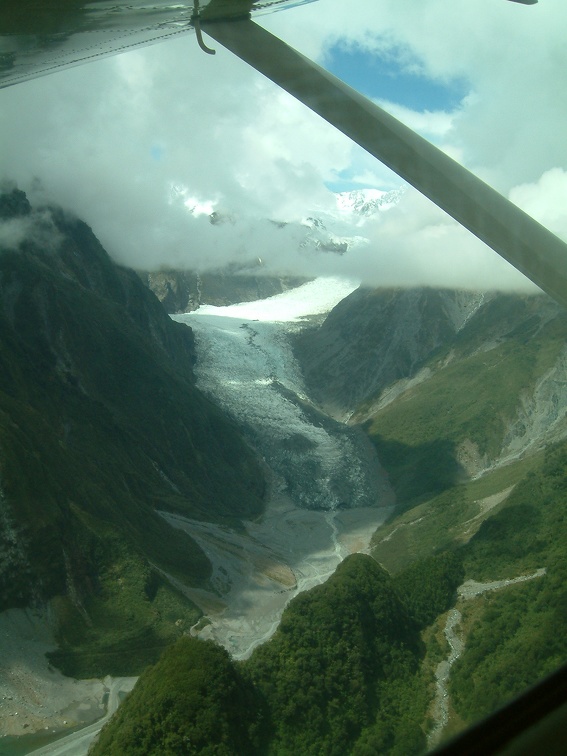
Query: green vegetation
x,y
509,522
516,635
195,700
527,533
521,634
341,675
126,624
344,653
418,471
428,587
449,519
101,426
471,396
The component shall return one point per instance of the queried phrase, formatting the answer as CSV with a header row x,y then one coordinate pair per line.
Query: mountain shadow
x,y
419,472
100,426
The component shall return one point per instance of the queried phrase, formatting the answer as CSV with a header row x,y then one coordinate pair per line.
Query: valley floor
x,y
256,572
34,695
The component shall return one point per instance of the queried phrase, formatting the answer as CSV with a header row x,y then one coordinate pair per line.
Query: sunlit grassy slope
x,y
508,521
477,386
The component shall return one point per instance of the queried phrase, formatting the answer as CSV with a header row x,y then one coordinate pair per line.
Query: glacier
x,y
327,491
246,365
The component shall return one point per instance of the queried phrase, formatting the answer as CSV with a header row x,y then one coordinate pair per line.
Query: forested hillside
x,y
100,426
341,675
473,449
519,635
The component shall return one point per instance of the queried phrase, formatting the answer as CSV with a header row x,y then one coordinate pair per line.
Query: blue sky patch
x,y
157,151
382,77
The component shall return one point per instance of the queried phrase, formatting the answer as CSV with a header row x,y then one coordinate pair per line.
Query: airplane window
x,y
283,386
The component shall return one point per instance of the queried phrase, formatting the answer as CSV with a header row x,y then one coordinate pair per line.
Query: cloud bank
x,y
126,142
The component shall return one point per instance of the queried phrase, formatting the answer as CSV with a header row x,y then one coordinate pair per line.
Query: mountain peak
x,y
367,202
13,204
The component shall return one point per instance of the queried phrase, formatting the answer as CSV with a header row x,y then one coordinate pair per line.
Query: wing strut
x,y
525,243
196,21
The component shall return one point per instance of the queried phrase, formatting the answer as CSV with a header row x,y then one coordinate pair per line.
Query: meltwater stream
x,y
328,491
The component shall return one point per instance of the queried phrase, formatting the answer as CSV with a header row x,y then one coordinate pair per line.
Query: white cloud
x,y
412,244
434,125
546,200
37,228
109,140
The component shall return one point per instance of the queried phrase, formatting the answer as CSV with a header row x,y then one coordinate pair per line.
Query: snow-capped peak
x,y
366,202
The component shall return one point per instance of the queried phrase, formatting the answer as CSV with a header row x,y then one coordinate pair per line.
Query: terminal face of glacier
x,y
246,364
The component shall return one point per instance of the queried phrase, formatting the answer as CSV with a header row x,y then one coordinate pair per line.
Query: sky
x,y
143,145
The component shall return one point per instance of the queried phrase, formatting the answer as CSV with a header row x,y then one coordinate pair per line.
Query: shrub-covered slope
x,y
194,700
341,675
519,635
494,391
473,446
100,426
469,423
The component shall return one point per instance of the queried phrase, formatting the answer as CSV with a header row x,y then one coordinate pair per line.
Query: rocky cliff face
x,y
461,380
374,338
184,290
100,422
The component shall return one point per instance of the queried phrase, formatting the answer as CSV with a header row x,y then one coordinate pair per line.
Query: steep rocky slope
x,y
100,425
375,337
483,374
185,290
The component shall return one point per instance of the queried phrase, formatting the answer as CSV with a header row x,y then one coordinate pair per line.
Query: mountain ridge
x,y
100,426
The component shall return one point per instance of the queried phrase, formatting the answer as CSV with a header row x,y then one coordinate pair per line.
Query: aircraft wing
x,y
39,37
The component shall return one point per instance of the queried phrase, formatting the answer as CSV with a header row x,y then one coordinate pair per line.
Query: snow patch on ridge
x,y
316,297
366,202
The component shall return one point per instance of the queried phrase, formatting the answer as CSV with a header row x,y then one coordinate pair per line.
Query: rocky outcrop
x,y
185,290
376,337
542,414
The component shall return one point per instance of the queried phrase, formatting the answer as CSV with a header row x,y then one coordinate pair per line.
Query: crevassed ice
x,y
245,362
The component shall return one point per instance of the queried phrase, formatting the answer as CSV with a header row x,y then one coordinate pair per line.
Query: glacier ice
x,y
246,364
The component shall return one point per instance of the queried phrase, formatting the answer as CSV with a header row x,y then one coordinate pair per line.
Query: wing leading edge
x,y
39,37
